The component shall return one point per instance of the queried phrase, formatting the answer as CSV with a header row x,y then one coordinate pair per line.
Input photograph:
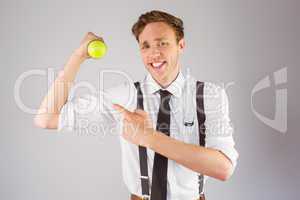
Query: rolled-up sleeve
x,y
88,114
219,130
66,117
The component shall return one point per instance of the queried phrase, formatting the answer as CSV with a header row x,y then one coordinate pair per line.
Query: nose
x,y
155,52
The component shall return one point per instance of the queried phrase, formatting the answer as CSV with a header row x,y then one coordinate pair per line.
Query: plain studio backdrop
x,y
235,42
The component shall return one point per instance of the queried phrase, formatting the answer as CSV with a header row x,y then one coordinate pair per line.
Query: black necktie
x,y
160,166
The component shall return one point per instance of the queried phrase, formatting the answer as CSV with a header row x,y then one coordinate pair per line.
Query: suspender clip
x,y
145,177
145,197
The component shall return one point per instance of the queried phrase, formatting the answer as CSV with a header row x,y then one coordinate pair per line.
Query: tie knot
x,y
165,95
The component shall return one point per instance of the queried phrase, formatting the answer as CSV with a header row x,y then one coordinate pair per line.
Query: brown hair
x,y
158,16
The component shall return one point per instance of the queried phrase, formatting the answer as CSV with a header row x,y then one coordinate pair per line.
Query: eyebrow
x,y
156,39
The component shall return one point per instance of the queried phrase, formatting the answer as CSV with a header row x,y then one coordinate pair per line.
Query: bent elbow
x,y
45,122
225,172
40,123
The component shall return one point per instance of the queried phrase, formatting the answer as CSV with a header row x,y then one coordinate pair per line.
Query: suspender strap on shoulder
x,y
201,126
142,150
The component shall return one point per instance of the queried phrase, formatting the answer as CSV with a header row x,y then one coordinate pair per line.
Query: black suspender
x,y
143,150
201,125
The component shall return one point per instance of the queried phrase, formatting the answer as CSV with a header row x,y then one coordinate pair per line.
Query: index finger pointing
x,y
121,109
127,114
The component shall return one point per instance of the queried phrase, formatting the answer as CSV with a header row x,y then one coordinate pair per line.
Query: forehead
x,y
156,30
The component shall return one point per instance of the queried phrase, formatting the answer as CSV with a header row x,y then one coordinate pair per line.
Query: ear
x,y
181,44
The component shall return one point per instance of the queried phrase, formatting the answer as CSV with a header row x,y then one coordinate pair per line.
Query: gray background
x,y
239,41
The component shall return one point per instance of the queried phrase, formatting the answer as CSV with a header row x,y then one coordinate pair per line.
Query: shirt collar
x,y
175,88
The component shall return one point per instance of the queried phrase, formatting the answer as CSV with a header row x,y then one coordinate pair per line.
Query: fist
x,y
82,50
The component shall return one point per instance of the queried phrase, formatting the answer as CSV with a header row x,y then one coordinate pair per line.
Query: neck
x,y
166,83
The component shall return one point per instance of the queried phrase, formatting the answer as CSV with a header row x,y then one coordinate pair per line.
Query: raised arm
x,y
56,97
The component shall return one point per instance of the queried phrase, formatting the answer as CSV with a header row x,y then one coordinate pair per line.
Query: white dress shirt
x,y
94,113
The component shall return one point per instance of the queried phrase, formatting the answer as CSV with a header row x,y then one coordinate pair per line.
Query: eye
x,y
145,46
163,43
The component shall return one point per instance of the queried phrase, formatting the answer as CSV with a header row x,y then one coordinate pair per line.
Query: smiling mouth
x,y
158,65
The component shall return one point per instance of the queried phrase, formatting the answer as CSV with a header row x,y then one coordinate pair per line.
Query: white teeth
x,y
157,64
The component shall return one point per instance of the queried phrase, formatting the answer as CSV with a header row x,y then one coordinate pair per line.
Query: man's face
x,y
160,52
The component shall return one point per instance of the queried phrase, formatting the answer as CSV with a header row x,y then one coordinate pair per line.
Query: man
x,y
174,157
